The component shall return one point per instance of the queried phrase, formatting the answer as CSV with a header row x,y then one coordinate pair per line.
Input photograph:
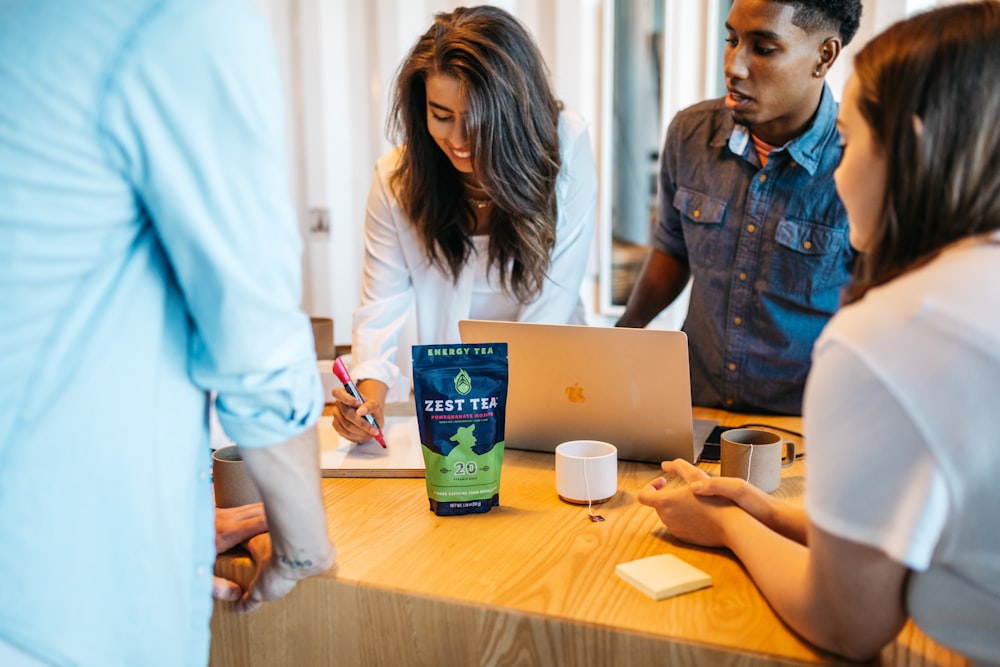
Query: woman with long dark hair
x,y
486,208
900,408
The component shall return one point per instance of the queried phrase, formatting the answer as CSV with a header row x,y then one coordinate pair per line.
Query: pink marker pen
x,y
340,370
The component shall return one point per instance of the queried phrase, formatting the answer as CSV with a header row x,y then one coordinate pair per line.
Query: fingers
x,y
259,547
677,468
647,495
684,470
254,599
653,496
225,590
269,584
271,580
349,423
242,512
251,601
703,484
234,525
344,398
738,491
732,488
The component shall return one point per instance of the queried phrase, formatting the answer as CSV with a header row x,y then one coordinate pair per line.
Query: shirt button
x,y
751,228
737,320
205,474
732,367
201,571
697,213
729,402
794,163
762,178
743,276
807,245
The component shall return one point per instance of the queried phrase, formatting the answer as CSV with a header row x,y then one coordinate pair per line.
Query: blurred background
x,y
627,66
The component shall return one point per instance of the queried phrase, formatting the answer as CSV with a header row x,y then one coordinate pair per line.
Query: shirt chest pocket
x,y
808,257
701,217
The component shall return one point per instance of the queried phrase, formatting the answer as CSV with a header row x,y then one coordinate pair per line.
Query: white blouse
x,y
398,275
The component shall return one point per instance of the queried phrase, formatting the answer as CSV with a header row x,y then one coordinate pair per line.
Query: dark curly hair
x,y
844,16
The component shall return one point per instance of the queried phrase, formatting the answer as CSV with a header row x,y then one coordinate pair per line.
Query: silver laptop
x,y
629,387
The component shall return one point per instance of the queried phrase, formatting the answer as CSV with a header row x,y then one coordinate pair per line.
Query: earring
x,y
817,72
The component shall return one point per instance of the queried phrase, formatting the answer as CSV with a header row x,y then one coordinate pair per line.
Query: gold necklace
x,y
479,203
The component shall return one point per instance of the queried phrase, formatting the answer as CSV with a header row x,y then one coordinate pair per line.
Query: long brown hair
x,y
512,124
943,68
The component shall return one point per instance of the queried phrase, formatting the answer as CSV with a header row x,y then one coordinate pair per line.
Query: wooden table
x,y
530,583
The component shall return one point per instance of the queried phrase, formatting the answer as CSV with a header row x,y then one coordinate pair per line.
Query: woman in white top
x,y
901,407
485,210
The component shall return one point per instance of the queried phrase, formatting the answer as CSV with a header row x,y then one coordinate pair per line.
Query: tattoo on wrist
x,y
291,562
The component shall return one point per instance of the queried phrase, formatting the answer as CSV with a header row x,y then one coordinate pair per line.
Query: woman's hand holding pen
x,y
349,413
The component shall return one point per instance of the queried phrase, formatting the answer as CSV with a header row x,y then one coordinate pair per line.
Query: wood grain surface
x,y
530,583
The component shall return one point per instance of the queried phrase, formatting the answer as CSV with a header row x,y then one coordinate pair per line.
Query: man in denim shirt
x,y
748,209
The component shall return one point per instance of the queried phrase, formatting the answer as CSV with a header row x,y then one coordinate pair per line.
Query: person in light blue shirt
x,y
149,259
749,212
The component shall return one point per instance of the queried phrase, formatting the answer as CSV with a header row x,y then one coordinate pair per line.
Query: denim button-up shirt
x,y
767,247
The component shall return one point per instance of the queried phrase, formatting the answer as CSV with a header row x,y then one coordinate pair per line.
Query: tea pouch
x,y
461,400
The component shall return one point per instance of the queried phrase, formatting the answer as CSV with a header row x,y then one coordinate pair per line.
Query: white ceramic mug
x,y
586,471
756,456
231,479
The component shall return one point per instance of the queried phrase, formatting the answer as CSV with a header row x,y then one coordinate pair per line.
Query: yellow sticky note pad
x,y
663,576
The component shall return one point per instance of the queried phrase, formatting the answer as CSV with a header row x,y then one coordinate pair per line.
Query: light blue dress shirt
x,y
148,255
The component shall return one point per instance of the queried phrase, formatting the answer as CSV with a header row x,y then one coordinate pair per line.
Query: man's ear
x,y
828,52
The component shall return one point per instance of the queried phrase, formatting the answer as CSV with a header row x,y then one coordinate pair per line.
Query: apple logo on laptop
x,y
575,393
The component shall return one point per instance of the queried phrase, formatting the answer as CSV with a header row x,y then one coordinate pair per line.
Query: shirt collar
x,y
806,149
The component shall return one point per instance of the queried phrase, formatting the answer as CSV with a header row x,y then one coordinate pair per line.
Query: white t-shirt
x,y
902,413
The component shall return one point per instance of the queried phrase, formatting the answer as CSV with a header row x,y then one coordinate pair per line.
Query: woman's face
x,y
863,171
446,110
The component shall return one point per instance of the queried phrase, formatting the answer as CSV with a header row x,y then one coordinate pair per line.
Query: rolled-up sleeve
x,y
668,234
387,291
214,187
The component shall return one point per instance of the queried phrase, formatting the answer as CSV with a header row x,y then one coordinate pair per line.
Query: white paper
x,y
663,576
402,451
